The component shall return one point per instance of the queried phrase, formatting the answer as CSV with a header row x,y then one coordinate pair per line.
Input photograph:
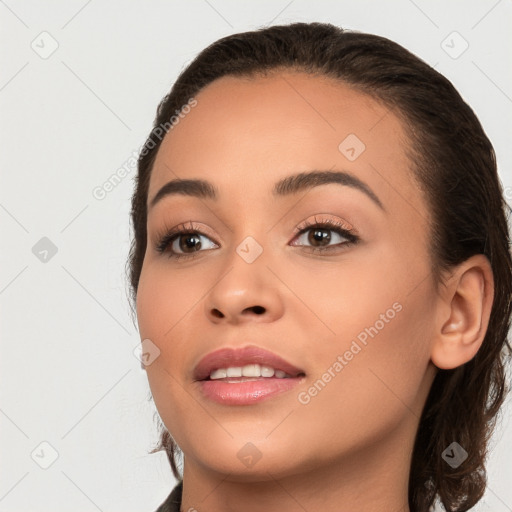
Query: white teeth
x,y
249,370
267,371
234,371
221,373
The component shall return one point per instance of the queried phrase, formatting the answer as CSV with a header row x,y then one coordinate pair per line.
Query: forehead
x,y
250,132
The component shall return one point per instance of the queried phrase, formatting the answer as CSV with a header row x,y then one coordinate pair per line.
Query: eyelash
x,y
164,241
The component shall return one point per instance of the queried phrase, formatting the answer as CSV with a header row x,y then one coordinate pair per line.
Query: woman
x,y
322,278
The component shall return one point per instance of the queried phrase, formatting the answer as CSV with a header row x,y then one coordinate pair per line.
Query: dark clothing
x,y
173,502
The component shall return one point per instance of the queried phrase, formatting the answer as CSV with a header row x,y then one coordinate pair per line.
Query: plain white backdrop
x,y
79,85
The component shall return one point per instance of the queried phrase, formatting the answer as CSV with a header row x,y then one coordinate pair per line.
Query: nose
x,y
245,292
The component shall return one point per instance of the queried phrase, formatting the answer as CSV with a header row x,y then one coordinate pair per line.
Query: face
x,y
349,302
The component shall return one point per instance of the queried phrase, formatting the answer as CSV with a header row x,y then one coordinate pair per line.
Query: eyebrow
x,y
285,187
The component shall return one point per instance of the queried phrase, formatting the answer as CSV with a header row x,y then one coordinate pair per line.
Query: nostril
x,y
258,309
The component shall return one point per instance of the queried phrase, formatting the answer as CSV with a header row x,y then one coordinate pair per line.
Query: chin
x,y
247,461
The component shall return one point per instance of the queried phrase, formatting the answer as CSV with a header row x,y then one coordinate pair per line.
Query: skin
x,y
350,447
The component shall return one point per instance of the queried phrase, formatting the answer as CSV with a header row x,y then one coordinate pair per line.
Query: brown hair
x,y
455,166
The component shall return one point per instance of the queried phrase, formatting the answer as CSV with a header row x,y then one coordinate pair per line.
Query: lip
x,y
226,357
244,390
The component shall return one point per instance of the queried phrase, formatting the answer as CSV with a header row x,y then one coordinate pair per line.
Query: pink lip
x,y
246,393
226,357
244,390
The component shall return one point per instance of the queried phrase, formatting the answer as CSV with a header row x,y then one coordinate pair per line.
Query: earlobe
x,y
464,311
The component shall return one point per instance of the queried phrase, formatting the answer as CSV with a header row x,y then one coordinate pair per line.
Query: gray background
x,y
79,84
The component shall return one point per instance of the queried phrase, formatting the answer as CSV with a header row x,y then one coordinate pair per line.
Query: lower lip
x,y
246,392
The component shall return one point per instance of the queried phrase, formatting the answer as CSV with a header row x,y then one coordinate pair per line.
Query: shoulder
x,y
173,501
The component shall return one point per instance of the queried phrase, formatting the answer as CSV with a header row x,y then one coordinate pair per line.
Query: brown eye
x,y
319,236
183,244
184,240
187,242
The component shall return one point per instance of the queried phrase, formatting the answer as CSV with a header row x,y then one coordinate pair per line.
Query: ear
x,y
463,312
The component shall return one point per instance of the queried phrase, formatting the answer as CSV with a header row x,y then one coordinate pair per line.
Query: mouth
x,y
245,376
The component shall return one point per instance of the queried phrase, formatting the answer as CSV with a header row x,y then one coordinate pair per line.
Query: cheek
x,y
339,301
164,299
370,363
165,302
379,361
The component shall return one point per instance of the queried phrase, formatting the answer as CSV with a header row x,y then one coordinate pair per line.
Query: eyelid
x,y
186,226
335,223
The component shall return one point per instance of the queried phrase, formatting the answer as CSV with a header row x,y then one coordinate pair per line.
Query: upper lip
x,y
229,357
